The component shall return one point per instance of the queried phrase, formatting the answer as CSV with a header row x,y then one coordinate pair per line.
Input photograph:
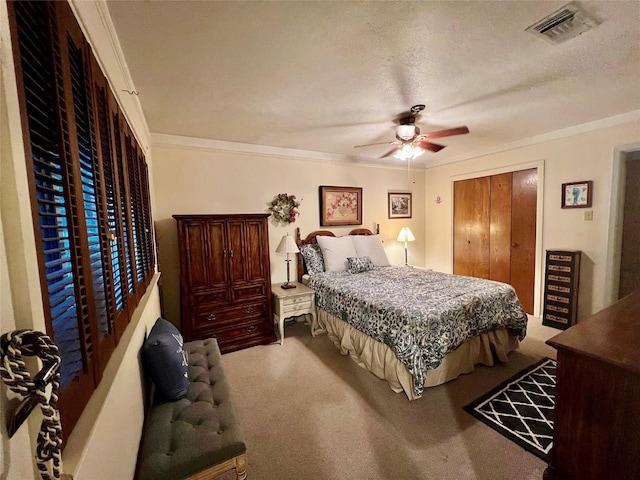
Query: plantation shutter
x,y
121,147
49,178
146,210
113,235
44,102
135,220
90,188
91,211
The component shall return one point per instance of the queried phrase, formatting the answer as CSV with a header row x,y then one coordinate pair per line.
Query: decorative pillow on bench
x,y
165,360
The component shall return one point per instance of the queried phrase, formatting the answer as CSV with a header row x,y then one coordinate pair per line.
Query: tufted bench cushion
x,y
198,434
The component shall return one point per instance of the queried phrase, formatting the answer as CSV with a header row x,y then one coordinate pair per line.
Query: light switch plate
x,y
588,215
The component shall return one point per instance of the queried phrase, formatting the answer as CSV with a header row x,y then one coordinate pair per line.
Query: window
x,y
90,196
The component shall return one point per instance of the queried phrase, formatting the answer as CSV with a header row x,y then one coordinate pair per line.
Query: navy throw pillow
x,y
165,360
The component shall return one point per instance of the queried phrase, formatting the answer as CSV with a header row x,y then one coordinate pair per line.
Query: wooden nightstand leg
x,y
280,322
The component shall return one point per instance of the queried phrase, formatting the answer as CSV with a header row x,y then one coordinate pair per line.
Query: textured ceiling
x,y
325,76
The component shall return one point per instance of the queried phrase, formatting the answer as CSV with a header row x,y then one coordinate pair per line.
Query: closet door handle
x,y
224,253
231,253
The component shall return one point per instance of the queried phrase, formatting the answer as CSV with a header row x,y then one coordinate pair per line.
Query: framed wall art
x,y
340,206
399,204
577,194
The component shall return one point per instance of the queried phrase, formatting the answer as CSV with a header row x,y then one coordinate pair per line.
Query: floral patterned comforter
x,y
420,314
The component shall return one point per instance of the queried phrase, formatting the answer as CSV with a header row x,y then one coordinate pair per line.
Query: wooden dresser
x,y
596,431
561,284
225,280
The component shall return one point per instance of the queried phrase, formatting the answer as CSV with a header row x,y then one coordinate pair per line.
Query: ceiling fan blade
x,y
447,133
370,144
432,147
390,152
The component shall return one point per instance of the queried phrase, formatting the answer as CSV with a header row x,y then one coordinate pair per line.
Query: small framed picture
x,y
340,206
577,194
399,204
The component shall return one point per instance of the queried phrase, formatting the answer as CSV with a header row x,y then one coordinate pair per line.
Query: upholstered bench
x,y
197,436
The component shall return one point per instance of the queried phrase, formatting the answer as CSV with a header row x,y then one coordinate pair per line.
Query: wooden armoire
x,y
225,280
494,230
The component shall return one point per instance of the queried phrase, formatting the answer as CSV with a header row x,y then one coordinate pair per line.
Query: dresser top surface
x,y
611,335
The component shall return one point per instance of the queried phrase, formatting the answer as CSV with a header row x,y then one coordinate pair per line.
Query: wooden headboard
x,y
312,239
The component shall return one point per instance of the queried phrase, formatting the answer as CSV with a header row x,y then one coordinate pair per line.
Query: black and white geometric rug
x,y
521,408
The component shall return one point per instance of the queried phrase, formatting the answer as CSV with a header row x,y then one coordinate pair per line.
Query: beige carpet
x,y
308,412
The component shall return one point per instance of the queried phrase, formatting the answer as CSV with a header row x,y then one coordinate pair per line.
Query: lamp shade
x,y
287,245
406,132
405,235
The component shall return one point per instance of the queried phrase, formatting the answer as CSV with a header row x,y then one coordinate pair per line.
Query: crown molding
x,y
163,140
615,120
166,140
98,28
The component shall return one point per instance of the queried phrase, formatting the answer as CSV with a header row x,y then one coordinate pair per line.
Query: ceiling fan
x,y
410,143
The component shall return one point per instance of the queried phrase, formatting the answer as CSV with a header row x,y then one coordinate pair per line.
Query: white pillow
x,y
335,251
371,246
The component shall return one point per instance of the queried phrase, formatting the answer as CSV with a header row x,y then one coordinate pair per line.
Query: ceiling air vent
x,y
564,24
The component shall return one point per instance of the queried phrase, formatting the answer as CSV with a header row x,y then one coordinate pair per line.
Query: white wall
x,y
583,156
104,443
203,179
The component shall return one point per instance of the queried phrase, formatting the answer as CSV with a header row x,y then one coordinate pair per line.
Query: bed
x,y
413,327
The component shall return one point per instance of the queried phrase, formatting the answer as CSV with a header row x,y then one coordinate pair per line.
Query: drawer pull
x,y
211,317
249,310
252,328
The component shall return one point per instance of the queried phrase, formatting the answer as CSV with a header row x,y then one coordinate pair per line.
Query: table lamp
x,y
287,245
405,236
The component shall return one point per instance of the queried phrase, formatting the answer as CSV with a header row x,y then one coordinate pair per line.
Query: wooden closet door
x,y
523,235
500,228
471,227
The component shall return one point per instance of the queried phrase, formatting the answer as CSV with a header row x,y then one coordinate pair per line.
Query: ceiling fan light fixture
x,y
408,152
406,132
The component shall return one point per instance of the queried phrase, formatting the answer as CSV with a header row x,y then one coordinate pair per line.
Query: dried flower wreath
x,y
284,208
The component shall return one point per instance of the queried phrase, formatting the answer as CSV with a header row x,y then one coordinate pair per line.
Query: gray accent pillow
x,y
165,361
359,264
312,258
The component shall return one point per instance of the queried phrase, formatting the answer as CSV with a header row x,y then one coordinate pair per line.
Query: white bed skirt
x,y
380,360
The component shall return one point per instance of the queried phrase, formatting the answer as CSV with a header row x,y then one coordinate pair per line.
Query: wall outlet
x,y
588,215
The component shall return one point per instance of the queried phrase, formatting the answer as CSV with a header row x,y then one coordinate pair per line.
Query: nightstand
x,y
291,302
